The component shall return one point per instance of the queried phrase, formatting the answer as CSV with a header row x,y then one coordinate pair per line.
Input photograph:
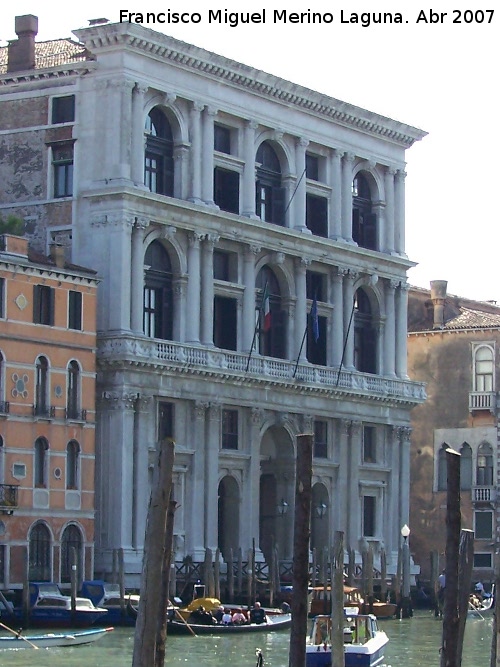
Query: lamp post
x,y
406,608
321,508
282,507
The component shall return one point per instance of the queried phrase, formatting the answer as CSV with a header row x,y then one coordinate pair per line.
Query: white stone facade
x,y
330,182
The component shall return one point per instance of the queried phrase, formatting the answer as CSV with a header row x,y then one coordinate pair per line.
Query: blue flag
x,y
314,320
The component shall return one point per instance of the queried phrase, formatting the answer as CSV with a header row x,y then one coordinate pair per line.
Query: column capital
x,y
195,238
214,411
404,287
345,425
400,174
404,433
168,232
211,111
279,258
302,142
349,158
141,223
197,106
390,170
356,427
304,262
252,249
278,134
211,240
140,88
257,416
199,409
251,124
393,284
351,275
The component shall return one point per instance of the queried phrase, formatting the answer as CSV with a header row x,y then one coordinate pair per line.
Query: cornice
x,y
163,47
47,74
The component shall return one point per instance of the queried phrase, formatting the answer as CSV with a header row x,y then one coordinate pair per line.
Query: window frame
x,y
63,158
75,310
67,111
43,305
230,427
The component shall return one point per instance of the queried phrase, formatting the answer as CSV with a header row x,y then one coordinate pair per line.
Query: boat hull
x,y
178,627
52,640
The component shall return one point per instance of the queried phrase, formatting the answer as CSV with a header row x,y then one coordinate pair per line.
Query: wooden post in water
x,y
495,639
26,588
337,577
217,573
161,629
230,575
150,610
434,556
73,582
239,574
383,575
121,583
301,535
449,656
466,558
350,566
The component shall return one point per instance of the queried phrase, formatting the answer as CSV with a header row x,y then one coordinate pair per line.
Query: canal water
x,y
413,642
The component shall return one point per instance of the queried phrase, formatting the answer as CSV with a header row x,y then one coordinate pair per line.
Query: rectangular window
x,y
483,525
43,305
63,109
75,310
62,164
227,190
317,215
165,420
312,167
320,439
2,297
482,561
369,507
225,314
221,265
229,429
369,444
222,139
315,285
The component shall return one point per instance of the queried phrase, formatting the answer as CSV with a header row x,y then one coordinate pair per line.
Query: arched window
x,y
484,465
270,318
40,463
39,553
71,552
365,335
72,464
442,472
159,156
269,194
465,467
364,221
158,294
73,398
483,369
42,387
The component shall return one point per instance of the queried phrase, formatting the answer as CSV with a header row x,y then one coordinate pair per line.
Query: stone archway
x,y
228,516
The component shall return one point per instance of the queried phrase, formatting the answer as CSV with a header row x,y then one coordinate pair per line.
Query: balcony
x,y
8,498
44,411
482,400
76,415
4,408
230,366
483,494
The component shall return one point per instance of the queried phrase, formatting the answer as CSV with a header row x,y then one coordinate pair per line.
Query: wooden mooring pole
x,y
301,535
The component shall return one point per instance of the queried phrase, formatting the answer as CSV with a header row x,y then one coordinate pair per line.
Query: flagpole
x,y
257,324
345,342
300,351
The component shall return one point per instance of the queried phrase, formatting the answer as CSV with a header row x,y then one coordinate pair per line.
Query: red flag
x,y
266,309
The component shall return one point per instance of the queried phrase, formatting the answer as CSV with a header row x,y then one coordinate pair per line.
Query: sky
x,y
439,74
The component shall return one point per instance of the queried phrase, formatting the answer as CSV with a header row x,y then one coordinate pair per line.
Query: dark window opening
x,y
40,463
482,561
222,265
269,195
159,157
365,357
227,190
63,109
222,139
369,516
39,554
165,420
316,348
272,338
62,164
315,285
158,293
317,215
364,221
71,548
369,444
312,167
43,305
320,439
75,310
72,459
2,297
229,429
225,310
72,407
41,387
483,529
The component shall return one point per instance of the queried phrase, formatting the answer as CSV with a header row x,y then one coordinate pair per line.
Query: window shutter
x,y
51,297
36,304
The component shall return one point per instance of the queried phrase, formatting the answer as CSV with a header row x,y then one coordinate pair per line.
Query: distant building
x,y
206,194
47,414
453,346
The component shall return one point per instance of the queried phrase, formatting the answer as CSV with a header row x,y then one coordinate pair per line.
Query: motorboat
x,y
321,601
18,640
364,642
119,610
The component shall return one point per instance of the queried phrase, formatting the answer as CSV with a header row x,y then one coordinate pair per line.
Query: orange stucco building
x,y
47,414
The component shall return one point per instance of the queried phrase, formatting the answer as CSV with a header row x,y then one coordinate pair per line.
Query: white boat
x,y
479,609
52,639
364,642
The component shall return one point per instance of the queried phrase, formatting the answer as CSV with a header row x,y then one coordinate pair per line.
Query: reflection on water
x,y
413,642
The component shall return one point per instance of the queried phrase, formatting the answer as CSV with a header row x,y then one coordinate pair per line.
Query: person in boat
x,y
239,617
218,614
257,614
227,618
479,590
200,616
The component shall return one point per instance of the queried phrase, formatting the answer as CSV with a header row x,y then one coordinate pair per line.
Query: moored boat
x,y
119,611
53,639
176,626
364,642
321,601
480,608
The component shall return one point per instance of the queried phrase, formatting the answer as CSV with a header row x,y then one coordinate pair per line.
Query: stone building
x,y
452,347
249,238
47,415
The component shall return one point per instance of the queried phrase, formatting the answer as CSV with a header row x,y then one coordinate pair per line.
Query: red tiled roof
x,y
53,53
473,319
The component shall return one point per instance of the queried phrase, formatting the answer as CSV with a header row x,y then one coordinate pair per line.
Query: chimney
x,y
438,297
58,254
21,51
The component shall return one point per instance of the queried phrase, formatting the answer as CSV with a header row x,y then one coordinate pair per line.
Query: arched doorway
x,y
228,516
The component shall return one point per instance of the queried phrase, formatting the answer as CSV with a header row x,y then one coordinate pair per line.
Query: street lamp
x,y
406,609
282,507
321,508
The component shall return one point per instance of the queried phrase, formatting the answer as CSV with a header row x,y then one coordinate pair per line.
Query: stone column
x,y
207,290
337,316
389,209
125,129
347,178
299,199
389,367
393,492
301,309
137,275
195,126
354,506
399,206
195,535
248,324
182,183
336,203
349,280
138,137
144,440
193,289
248,194
207,171
402,330
250,511
344,427
211,504
404,477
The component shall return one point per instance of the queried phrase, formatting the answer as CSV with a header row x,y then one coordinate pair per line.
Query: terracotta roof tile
x,y
473,319
53,53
